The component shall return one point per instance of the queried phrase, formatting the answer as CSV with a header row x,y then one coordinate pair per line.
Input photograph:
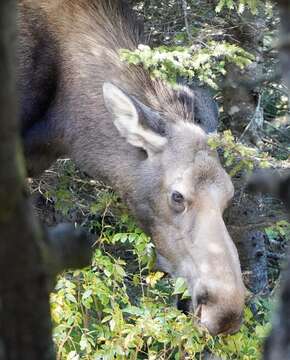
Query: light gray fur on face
x,y
191,239
194,243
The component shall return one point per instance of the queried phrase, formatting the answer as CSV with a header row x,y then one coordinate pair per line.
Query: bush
x,y
119,308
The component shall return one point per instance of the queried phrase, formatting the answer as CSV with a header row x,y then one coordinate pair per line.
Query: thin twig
x,y
185,14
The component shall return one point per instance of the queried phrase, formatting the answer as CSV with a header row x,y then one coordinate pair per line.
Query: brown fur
x,y
98,30
139,135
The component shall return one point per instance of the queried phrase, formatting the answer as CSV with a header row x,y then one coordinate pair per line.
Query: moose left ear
x,y
137,123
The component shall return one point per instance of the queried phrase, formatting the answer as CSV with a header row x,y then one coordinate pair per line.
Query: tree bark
x,y
186,21
29,257
25,326
240,102
245,221
277,345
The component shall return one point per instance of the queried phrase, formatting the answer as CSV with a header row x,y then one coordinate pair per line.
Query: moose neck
x,y
89,36
90,58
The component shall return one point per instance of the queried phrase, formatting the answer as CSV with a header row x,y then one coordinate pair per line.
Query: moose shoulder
x,y
147,140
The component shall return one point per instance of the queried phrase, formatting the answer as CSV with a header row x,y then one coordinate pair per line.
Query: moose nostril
x,y
202,298
183,305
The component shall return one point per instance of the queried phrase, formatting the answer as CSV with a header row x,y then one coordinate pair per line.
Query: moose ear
x,y
198,102
206,110
134,121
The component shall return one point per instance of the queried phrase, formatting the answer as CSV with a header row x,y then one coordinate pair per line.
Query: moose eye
x,y
177,197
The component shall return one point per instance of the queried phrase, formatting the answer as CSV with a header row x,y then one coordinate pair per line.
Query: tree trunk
x,y
25,326
186,20
240,102
245,221
277,345
29,257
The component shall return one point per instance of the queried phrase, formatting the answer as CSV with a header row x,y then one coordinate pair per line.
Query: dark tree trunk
x,y
246,219
29,257
25,326
277,345
240,101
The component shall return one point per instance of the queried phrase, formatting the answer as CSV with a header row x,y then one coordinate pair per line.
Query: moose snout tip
x,y
216,315
213,318
220,324
219,315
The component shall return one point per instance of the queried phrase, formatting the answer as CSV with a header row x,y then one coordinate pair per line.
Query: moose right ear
x,y
198,101
128,118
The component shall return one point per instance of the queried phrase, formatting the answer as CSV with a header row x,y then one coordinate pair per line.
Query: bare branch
x,y
185,14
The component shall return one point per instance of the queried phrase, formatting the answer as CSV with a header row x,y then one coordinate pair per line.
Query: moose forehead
x,y
186,138
193,164
187,148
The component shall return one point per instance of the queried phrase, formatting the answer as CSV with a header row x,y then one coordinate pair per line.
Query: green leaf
x,y
87,294
71,298
180,286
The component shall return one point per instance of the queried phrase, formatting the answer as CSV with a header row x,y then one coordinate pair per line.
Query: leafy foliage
x,y
173,62
279,231
119,308
237,156
240,4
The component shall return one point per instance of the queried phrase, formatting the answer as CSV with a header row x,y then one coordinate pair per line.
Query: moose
x,y
139,135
